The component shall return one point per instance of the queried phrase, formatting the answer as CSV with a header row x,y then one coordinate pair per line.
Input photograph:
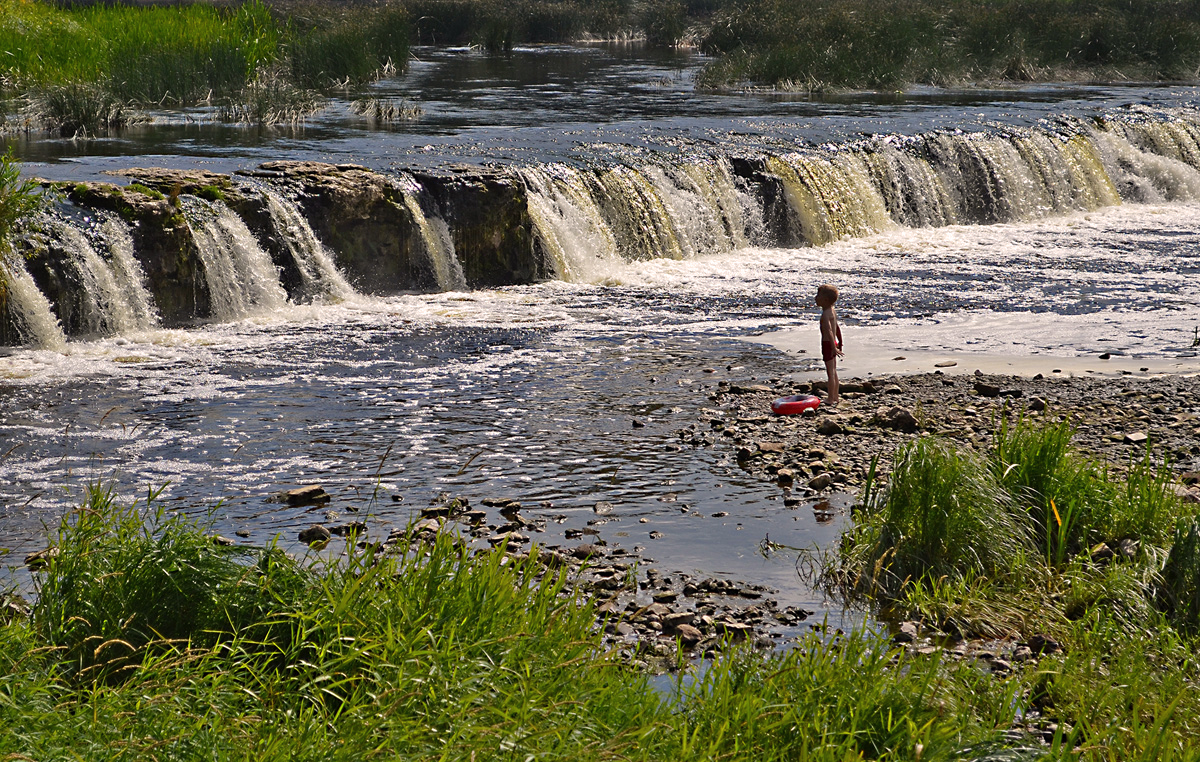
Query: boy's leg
x,y
831,371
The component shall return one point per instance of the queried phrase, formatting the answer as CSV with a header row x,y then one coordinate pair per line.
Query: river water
x,y
569,393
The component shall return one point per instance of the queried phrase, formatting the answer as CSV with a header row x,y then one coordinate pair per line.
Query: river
x,y
570,392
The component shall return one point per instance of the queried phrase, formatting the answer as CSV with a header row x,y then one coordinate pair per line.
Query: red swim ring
x,y
797,403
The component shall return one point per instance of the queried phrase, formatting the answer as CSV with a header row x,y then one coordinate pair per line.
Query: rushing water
x,y
665,287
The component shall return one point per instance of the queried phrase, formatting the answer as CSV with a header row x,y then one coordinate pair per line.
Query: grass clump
x,y
1020,536
1033,542
943,517
20,198
386,111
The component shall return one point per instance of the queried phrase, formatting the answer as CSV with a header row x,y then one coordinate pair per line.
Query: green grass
x,y
1127,685
889,44
149,641
20,199
942,516
90,68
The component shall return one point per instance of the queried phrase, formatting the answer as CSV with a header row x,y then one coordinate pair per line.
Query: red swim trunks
x,y
828,350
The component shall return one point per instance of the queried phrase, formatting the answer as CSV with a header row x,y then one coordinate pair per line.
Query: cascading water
x,y
592,221
635,213
113,299
240,275
569,223
911,190
34,319
129,273
320,276
435,239
829,198
704,209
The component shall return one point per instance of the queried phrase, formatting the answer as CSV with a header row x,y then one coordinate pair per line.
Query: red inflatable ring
x,y
795,404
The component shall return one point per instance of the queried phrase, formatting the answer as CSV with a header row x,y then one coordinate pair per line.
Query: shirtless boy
x,y
831,338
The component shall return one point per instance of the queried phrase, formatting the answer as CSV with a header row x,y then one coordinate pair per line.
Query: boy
x,y
831,338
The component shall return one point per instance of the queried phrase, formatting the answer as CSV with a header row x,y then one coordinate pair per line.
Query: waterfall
x,y
129,274
240,275
829,199
569,223
911,190
320,277
35,320
703,205
635,213
1142,175
112,298
435,239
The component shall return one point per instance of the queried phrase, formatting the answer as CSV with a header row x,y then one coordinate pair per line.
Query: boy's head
x,y
826,295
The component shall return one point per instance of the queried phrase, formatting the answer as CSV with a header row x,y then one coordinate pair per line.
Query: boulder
x,y
316,534
897,418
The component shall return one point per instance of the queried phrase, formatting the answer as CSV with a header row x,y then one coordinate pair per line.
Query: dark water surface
x,y
551,103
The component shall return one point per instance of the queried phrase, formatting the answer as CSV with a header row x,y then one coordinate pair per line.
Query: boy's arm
x,y
837,327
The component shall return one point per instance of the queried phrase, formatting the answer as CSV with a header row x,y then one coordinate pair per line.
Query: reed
x,y
89,68
884,44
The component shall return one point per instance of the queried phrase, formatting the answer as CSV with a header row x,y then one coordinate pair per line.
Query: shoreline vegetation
x,y
82,69
1042,601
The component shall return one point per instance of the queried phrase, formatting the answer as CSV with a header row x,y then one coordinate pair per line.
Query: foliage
x,y
89,68
887,45
19,199
497,26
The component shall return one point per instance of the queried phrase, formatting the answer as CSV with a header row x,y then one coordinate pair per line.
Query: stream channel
x,y
532,392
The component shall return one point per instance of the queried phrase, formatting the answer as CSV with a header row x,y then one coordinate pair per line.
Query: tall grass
x,y
1178,590
889,44
943,515
1003,542
148,641
90,67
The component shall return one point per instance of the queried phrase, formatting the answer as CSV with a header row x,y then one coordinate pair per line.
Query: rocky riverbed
x,y
820,461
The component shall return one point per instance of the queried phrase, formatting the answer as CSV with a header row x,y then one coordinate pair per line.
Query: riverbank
x,y
582,621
